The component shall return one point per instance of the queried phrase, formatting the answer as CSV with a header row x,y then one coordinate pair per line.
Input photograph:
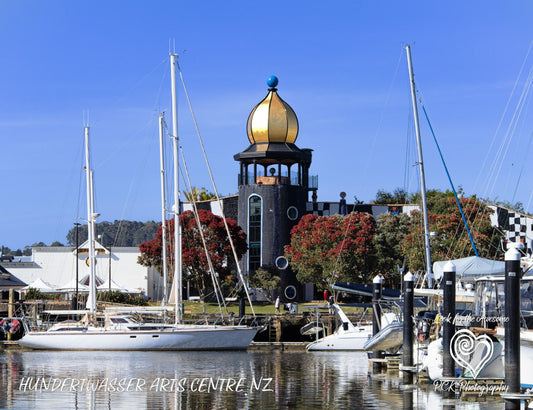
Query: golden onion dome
x,y
272,120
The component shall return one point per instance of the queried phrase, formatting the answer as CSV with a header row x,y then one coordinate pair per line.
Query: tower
x,y
273,187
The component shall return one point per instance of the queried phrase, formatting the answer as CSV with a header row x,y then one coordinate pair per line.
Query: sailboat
x,y
124,332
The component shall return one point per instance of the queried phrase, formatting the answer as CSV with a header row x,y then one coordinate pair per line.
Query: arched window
x,y
255,212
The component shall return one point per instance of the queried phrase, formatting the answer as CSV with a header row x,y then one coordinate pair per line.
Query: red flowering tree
x,y
326,248
194,259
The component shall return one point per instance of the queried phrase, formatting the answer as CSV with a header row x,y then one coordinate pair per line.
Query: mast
x,y
91,300
427,245
177,228
163,211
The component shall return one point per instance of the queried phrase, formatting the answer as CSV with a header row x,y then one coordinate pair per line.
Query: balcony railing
x,y
275,180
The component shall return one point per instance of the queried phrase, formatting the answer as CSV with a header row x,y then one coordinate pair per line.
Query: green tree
x,y
199,194
399,196
516,207
266,279
434,198
36,294
387,243
329,248
451,240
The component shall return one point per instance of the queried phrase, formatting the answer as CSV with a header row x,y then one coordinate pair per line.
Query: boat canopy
x,y
471,268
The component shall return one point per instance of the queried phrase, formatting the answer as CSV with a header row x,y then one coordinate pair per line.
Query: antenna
x,y
85,118
172,46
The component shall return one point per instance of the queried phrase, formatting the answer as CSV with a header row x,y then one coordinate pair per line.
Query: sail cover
x,y
470,268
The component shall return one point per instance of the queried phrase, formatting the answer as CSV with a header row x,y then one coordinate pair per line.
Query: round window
x,y
292,213
290,292
281,262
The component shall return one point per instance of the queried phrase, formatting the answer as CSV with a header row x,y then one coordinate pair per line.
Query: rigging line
x,y
380,122
139,82
519,144
216,285
503,115
241,277
449,179
411,150
410,153
418,240
134,179
504,146
526,152
407,161
127,143
169,165
529,201
78,205
159,91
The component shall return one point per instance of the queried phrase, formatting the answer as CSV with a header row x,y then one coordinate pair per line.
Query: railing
x,y
313,180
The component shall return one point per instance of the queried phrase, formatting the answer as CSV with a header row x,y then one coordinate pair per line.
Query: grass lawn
x,y
195,307
260,308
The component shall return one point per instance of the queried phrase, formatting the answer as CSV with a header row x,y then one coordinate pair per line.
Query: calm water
x,y
206,380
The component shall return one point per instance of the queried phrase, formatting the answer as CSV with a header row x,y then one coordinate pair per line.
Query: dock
x,y
282,346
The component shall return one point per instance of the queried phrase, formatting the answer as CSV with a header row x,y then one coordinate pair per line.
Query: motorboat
x,y
389,338
489,308
347,336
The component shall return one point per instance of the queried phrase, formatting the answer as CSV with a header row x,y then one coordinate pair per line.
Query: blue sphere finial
x,y
272,81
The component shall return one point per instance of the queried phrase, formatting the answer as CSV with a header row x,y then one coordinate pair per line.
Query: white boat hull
x,y
526,355
354,339
433,360
186,337
390,338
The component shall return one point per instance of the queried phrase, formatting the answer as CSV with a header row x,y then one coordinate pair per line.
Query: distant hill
x,y
117,233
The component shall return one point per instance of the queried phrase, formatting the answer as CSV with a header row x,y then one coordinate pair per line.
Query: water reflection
x,y
176,380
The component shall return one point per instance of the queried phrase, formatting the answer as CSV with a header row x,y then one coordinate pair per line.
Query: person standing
x,y
277,304
331,301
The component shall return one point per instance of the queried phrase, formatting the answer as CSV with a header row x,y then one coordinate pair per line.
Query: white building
x,y
57,266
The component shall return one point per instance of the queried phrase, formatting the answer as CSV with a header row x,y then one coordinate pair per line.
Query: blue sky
x,y
341,67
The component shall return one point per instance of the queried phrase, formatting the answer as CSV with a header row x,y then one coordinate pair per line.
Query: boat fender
x,y
5,324
15,326
345,325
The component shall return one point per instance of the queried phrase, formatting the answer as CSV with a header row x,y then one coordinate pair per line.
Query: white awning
x,y
470,268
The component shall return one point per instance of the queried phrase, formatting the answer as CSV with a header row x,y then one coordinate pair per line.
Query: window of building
x,y
290,292
292,213
254,233
281,262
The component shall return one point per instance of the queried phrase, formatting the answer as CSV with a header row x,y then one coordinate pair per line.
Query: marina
x,y
163,289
